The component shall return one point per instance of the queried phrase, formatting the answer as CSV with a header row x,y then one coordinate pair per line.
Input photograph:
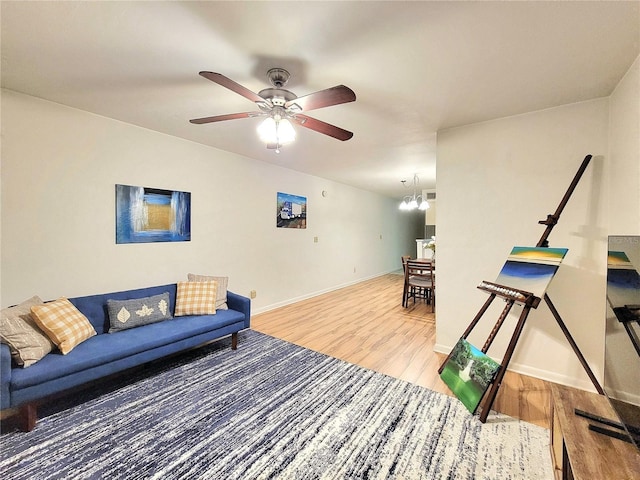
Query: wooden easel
x,y
529,301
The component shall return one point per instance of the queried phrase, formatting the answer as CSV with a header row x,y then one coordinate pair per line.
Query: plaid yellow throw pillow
x,y
63,323
196,298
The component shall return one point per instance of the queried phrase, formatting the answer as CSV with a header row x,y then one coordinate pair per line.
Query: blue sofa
x,y
109,353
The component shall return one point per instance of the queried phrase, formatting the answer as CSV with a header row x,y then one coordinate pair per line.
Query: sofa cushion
x,y
221,293
27,342
63,323
124,314
196,298
103,349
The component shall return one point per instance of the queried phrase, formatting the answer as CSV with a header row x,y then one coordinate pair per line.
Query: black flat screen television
x,y
622,335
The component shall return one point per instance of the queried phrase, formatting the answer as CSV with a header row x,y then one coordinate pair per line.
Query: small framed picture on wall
x,y
291,211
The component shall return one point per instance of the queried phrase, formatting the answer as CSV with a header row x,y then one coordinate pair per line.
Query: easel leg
x,y
573,344
488,400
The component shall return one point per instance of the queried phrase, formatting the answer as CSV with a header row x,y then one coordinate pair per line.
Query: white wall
x,y
59,170
624,219
624,153
496,180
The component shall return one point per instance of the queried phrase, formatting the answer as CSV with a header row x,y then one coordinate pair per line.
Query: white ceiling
x,y
416,68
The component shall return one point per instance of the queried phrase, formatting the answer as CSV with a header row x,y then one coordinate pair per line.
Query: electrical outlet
x,y
354,269
315,239
252,294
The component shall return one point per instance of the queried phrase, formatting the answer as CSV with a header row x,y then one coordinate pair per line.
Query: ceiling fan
x,y
281,107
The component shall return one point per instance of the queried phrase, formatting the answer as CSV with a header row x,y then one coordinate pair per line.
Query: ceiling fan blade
x,y
323,127
323,98
220,118
233,86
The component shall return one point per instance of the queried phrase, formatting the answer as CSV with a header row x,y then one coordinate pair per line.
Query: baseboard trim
x,y
317,293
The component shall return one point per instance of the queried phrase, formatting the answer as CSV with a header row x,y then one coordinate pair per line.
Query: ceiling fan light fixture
x,y
274,130
281,107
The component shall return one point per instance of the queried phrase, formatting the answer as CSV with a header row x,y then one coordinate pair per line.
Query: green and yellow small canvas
x,y
468,373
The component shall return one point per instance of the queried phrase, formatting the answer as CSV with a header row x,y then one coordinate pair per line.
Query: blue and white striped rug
x,y
269,410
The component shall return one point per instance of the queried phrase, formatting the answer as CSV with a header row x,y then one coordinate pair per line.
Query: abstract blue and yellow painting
x,y
531,268
146,214
623,281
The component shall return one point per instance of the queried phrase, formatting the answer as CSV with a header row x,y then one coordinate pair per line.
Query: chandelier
x,y
416,201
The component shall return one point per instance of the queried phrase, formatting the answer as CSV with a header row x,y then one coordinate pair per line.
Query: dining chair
x,y
419,281
404,259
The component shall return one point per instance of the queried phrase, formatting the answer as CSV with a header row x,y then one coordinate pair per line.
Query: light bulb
x,y
286,133
267,131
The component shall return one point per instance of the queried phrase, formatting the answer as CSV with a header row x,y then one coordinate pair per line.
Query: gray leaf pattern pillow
x,y
125,314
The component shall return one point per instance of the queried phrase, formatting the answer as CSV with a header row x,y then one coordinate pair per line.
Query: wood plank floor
x,y
366,324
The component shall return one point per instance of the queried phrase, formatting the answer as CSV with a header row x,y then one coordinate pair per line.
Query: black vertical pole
x,y
551,220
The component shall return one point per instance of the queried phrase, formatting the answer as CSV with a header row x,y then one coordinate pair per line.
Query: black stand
x,y
529,301
618,431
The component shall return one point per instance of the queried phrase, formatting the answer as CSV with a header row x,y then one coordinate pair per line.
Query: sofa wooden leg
x,y
28,416
234,341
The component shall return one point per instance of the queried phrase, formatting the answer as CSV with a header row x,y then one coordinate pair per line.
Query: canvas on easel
x,y
524,279
468,373
531,269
